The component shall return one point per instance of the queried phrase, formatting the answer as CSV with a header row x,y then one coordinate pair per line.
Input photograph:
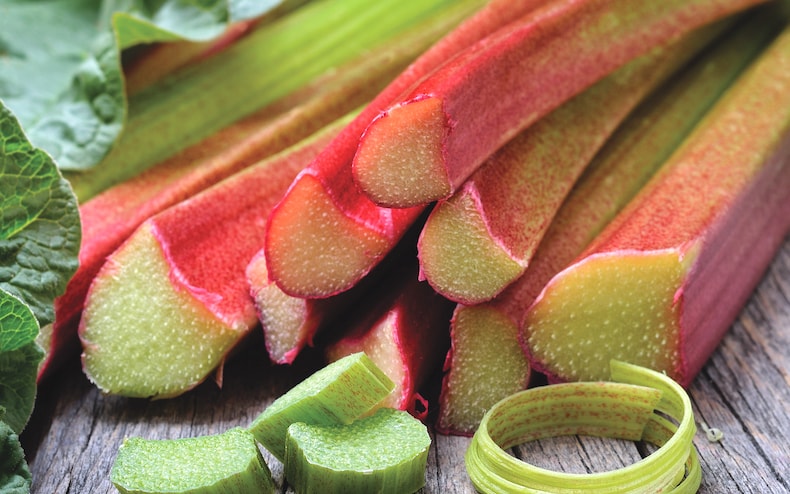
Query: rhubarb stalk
x,y
168,306
324,235
404,330
109,218
483,333
482,238
434,137
664,281
265,65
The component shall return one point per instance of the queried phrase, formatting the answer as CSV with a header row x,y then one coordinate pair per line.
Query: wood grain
x,y
744,390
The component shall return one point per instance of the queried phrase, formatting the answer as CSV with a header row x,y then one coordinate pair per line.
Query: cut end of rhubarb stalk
x,y
286,327
486,364
313,250
399,161
458,256
620,305
386,452
227,462
132,346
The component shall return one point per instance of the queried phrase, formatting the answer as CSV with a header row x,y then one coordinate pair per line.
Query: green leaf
x,y
39,222
15,475
20,356
60,69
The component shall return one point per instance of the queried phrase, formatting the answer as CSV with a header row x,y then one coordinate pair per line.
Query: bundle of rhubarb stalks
x,y
470,192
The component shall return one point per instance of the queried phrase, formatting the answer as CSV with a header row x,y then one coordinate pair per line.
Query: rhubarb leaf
x,y
39,222
15,477
19,359
60,69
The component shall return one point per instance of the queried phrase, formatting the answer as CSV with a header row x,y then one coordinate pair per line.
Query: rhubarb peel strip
x,y
632,406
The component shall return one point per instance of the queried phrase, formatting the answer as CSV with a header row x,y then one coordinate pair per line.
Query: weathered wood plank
x,y
744,390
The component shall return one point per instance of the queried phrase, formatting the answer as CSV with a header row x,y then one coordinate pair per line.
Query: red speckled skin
x,y
503,83
333,167
419,319
734,223
209,239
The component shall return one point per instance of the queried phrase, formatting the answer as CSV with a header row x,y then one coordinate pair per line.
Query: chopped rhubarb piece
x,y
482,238
435,136
109,218
663,282
488,332
365,231
339,393
404,330
172,301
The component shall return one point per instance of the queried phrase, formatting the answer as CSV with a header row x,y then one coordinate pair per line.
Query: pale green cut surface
x,y
385,452
487,366
458,256
381,346
143,336
617,306
224,463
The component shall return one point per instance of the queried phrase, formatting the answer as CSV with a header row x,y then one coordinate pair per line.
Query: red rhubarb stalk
x,y
482,238
673,270
403,328
324,236
488,332
429,141
109,218
172,301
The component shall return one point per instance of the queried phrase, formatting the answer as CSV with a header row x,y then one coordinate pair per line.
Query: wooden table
x,y
744,390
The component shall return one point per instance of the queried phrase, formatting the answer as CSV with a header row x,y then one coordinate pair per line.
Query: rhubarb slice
x,y
386,453
167,307
482,238
109,218
429,141
489,332
663,282
357,234
223,463
339,393
403,327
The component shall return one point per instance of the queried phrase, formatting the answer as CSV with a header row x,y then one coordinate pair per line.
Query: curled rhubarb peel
x,y
339,393
666,278
386,452
429,141
490,332
637,404
227,463
356,234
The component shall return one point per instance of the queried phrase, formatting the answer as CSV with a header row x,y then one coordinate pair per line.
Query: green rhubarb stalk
x,y
671,272
227,463
385,453
640,404
339,393
260,68
482,238
486,332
